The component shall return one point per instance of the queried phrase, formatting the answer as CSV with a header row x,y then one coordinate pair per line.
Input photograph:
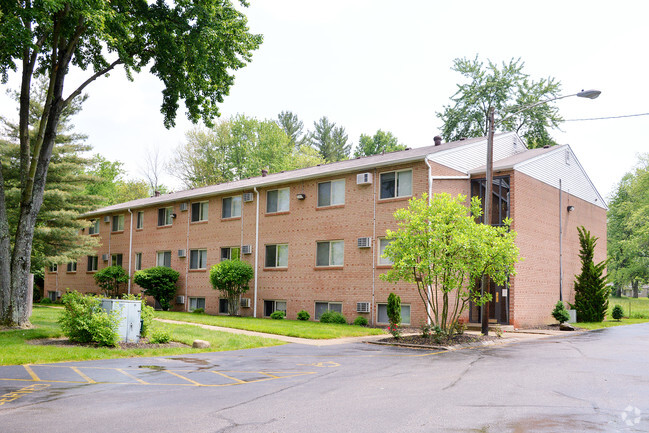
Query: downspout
x,y
254,313
374,252
187,258
130,248
430,198
560,244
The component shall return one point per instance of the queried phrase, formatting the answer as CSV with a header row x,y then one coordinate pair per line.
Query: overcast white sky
x,y
371,65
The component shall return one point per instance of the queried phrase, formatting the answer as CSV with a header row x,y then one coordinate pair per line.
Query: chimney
x,y
264,172
438,140
156,193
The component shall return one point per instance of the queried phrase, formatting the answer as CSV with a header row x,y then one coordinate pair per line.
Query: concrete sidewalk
x,y
507,337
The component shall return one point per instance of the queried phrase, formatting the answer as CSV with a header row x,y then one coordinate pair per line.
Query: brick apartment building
x,y
314,236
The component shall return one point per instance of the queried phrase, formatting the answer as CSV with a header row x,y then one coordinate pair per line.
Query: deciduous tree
x,y
194,48
158,282
506,88
443,249
380,142
231,277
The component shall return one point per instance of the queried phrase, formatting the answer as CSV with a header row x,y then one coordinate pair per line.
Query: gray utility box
x,y
130,313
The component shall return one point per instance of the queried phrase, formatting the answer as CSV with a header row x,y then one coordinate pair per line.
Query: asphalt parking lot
x,y
596,381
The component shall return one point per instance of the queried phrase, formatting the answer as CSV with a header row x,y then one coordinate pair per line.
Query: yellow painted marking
x,y
269,375
31,373
132,377
80,373
13,396
228,377
183,377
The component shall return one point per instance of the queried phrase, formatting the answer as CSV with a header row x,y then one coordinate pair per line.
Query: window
x,y
230,253
72,267
383,242
195,303
54,268
231,207
163,259
94,227
396,184
271,306
223,306
165,216
330,253
331,193
500,202
322,307
383,314
277,200
140,220
138,261
199,211
276,256
197,259
118,223
116,260
52,295
92,263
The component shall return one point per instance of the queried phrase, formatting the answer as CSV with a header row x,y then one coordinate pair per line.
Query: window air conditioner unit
x,y
364,242
58,294
246,249
180,300
364,178
183,207
107,219
105,257
247,196
182,253
245,302
362,307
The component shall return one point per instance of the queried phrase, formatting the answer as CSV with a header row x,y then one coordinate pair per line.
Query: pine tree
x,y
591,293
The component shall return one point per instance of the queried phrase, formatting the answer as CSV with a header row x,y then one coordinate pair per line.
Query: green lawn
x,y
636,310
14,348
291,328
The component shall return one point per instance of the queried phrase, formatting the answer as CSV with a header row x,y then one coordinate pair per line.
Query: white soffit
x,y
474,155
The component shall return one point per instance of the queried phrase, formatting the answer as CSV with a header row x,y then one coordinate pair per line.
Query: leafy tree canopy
x,y
158,282
231,277
109,184
330,140
506,88
381,142
110,279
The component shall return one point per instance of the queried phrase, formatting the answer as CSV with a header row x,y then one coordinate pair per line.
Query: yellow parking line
x,y
183,377
31,373
80,373
132,377
228,377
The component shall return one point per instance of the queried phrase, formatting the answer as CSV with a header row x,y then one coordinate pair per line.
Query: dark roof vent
x,y
264,172
547,146
156,193
437,140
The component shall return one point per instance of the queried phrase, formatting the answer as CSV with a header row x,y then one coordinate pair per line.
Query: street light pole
x,y
589,94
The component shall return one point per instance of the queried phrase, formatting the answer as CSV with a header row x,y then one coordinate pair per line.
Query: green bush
x,y
46,301
360,321
617,312
158,282
159,336
303,315
333,317
231,277
560,313
84,321
199,311
146,313
277,315
109,280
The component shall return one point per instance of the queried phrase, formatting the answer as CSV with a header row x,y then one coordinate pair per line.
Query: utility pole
x,y
486,218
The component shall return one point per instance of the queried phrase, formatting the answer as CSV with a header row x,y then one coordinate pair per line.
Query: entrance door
x,y
498,307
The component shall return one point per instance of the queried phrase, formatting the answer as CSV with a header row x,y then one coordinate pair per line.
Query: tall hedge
x,y
591,293
159,282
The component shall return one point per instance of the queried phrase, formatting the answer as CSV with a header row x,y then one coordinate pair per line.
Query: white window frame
x,y
114,259
138,261
200,262
385,304
278,263
332,262
382,261
119,219
275,302
72,267
139,222
161,254
229,255
203,211
93,263
235,207
194,303
168,219
331,200
54,268
396,184
329,304
94,227
283,200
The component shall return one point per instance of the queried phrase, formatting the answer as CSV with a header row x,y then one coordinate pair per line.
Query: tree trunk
x,y
634,285
233,305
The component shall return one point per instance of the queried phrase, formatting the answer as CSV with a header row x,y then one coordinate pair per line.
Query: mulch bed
x,y
458,340
142,344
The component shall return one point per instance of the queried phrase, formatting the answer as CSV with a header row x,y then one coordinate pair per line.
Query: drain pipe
x,y
254,313
188,257
130,248
374,252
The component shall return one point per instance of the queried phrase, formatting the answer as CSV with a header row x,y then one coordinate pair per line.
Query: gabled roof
x,y
334,168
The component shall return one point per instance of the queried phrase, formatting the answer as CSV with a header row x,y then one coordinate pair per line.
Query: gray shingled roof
x,y
350,165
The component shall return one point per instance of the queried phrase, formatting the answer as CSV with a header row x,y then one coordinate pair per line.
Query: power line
x,y
606,118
